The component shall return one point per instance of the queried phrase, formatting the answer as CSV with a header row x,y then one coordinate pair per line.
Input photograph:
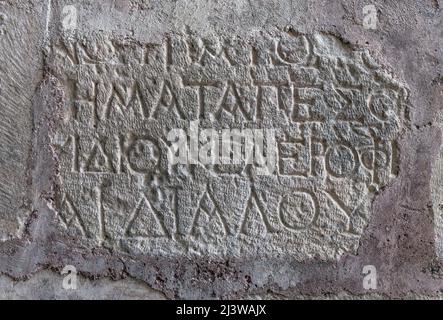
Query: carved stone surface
x,y
335,113
221,149
436,183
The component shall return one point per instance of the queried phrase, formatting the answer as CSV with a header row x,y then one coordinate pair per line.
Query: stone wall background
x,y
403,235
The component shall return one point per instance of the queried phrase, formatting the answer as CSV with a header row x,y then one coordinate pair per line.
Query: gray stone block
x,y
218,149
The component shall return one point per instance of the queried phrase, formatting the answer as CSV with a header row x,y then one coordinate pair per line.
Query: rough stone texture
x,y
45,285
87,180
436,194
335,113
21,38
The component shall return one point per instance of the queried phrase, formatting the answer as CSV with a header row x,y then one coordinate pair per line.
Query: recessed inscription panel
x,y
226,146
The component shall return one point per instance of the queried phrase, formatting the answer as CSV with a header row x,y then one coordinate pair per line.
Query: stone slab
x,y
21,39
101,98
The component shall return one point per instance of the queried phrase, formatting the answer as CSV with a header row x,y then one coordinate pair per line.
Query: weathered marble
x,y
115,158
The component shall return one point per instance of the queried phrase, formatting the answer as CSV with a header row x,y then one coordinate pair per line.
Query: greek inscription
x,y
224,146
